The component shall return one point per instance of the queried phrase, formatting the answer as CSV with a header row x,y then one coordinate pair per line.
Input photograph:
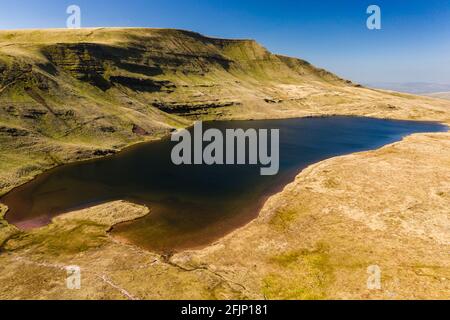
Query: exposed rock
x,y
99,152
108,129
273,101
139,130
194,108
34,113
13,132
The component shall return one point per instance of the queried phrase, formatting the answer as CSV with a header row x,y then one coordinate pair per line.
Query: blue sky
x,y
413,45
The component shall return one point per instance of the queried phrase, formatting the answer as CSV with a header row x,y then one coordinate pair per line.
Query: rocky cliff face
x,y
153,66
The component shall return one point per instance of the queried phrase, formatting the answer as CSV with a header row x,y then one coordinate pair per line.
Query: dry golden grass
x,y
314,240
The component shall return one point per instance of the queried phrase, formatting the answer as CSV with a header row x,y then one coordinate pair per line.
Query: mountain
x,y
68,95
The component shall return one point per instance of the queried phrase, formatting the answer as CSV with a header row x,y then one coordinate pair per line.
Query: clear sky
x,y
412,46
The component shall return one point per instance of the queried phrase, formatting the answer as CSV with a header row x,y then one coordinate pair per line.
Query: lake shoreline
x,y
255,214
231,259
161,137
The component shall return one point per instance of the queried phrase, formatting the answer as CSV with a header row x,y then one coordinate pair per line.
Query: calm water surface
x,y
194,205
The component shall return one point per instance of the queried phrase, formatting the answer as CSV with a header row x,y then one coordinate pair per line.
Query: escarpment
x,y
146,69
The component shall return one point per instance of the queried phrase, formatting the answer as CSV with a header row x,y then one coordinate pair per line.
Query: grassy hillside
x,y
68,95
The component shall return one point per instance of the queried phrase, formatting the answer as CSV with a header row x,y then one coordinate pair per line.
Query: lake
x,y
194,205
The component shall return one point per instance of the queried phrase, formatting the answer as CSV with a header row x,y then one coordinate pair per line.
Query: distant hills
x,y
422,88
440,95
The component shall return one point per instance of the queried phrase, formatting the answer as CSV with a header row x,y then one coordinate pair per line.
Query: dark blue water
x,y
194,205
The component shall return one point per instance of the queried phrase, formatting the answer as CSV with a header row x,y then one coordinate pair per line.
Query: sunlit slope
x,y
76,94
